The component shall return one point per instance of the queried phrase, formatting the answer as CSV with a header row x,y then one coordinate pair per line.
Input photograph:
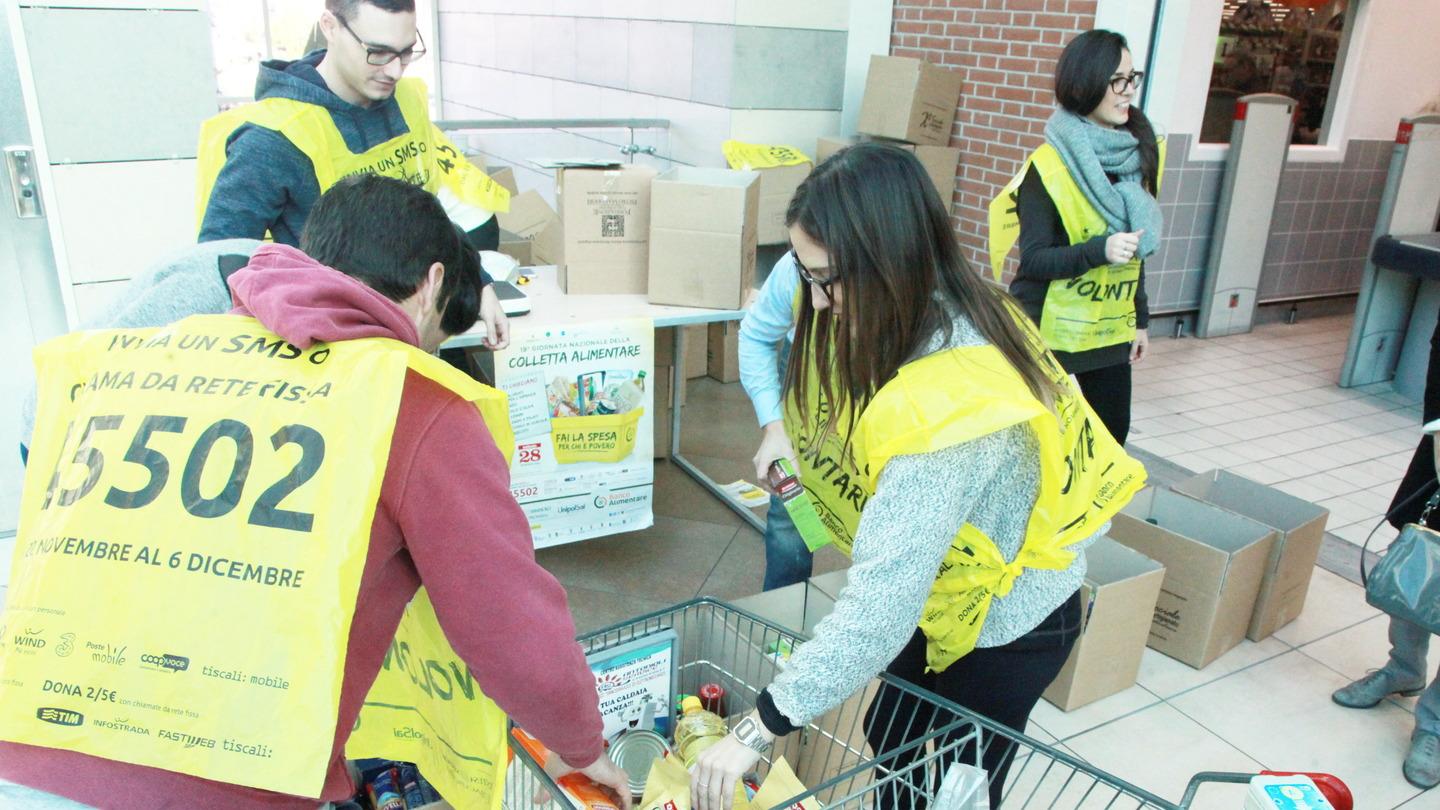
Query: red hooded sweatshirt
x,y
445,519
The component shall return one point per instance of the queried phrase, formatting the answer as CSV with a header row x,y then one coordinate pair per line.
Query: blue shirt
x,y
769,323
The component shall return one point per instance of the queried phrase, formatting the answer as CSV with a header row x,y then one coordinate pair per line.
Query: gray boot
x,y
1373,688
1422,765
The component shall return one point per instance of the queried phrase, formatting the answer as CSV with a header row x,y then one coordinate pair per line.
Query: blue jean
x,y
1409,644
787,558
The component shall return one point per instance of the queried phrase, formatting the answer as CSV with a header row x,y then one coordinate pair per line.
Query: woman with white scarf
x,y
1088,219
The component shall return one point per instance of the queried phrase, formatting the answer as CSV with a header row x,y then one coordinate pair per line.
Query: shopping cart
x,y
721,644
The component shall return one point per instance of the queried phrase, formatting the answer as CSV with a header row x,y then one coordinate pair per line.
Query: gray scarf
x,y
1091,151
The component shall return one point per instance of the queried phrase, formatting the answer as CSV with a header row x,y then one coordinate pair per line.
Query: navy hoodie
x,y
267,183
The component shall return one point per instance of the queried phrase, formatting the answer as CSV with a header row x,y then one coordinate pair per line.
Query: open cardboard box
x,y
1119,595
1214,561
1301,527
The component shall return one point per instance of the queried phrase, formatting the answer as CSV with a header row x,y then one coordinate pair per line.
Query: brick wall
x,y
1007,50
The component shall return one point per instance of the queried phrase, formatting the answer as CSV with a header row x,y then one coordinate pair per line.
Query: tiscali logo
x,y
166,662
59,717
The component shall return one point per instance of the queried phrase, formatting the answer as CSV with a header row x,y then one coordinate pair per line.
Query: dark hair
x,y
345,9
1081,78
894,256
386,233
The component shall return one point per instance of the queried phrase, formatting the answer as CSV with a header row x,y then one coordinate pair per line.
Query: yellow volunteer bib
x,y
192,491
1090,311
426,708
421,156
740,155
945,399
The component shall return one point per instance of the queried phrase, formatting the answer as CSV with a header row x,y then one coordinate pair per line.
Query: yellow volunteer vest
x,y
1090,311
942,400
422,156
193,528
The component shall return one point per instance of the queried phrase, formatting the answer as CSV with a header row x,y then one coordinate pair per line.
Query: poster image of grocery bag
x,y
426,707
582,405
212,482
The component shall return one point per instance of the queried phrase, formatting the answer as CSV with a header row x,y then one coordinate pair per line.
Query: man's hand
x,y
1140,349
602,772
774,444
497,325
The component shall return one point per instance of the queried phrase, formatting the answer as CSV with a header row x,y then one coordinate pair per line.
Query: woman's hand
x,y
716,772
1120,247
1140,349
774,444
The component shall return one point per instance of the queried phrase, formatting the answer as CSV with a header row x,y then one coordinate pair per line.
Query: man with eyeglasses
x,y
335,112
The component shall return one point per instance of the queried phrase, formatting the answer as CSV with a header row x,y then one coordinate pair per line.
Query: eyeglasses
x,y
805,275
1120,84
379,55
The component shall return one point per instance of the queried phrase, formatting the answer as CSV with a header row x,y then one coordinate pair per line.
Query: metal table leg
x,y
677,380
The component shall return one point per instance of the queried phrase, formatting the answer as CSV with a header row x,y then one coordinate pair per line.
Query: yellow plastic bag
x,y
760,156
781,784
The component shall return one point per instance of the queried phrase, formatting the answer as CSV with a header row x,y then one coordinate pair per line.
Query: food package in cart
x,y
595,414
668,788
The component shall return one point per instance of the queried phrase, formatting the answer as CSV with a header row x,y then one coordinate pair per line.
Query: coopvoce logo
x,y
167,662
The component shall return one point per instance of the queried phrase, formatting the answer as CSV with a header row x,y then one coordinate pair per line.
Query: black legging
x,y
1001,683
1107,389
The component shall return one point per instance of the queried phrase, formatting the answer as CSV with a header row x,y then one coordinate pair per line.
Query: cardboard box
x,y
605,218
942,163
532,219
505,176
702,237
516,247
722,356
696,351
1300,526
1214,561
909,100
1119,595
664,407
777,187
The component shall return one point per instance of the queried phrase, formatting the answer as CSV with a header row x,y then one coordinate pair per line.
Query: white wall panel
x,y
116,218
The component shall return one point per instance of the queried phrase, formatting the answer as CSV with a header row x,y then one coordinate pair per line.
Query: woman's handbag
x,y
1406,581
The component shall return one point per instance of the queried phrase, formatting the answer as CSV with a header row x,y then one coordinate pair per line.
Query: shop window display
x,y
1290,47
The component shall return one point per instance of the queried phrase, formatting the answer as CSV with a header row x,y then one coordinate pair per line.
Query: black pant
x,y
1107,389
1001,683
1419,480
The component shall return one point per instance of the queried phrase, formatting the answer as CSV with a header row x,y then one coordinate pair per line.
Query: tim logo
x,y
612,225
59,717
173,663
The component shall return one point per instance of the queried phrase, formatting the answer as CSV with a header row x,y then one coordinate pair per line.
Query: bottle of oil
x,y
696,730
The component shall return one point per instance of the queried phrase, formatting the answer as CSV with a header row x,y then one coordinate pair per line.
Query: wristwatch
x,y
750,735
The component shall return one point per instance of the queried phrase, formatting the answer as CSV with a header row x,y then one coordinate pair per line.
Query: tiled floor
x,y
1264,405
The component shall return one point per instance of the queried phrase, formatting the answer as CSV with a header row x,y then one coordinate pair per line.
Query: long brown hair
x,y
894,257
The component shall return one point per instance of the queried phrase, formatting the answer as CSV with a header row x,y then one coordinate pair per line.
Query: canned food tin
x,y
634,751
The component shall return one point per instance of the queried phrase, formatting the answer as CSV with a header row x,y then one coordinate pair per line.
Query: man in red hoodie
x,y
380,260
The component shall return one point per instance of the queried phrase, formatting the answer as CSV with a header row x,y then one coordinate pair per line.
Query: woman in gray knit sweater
x,y
959,445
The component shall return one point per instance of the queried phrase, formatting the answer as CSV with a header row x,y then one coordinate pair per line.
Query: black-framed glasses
x,y
806,276
379,55
1120,84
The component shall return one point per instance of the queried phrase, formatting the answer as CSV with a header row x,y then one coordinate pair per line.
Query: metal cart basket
x,y
743,653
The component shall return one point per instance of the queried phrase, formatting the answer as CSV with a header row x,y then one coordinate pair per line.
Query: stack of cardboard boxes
x,y
910,104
